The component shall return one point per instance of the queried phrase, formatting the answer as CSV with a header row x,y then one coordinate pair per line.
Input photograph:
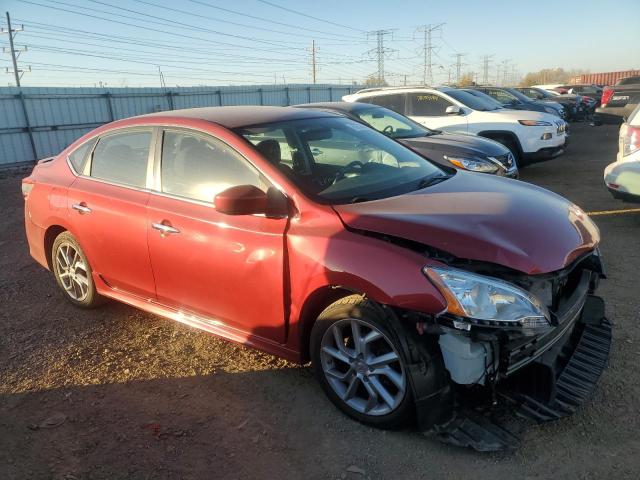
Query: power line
x,y
310,16
246,15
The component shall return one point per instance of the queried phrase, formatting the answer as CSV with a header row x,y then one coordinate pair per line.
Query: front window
x,y
391,123
198,167
476,100
338,160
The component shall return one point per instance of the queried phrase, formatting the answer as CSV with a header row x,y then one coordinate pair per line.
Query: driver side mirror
x,y
453,110
250,200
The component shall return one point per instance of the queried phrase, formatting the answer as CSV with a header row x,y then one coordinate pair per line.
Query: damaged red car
x,y
420,294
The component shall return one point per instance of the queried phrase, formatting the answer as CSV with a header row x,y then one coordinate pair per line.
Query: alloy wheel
x,y
72,271
363,367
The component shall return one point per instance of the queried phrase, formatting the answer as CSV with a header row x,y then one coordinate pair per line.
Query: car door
x,y
429,109
227,270
107,210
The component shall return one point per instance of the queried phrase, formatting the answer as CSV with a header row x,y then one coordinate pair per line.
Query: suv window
x,y
199,168
501,96
393,101
427,105
78,157
122,158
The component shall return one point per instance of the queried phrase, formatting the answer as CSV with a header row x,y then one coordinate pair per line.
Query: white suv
x,y
529,135
622,177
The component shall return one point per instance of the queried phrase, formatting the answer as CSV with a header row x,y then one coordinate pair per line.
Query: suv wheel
x,y
359,363
73,272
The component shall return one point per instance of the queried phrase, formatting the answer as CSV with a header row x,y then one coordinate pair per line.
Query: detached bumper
x,y
557,377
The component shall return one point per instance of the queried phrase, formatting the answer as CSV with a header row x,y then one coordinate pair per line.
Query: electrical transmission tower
x,y
380,52
15,53
459,65
486,60
427,49
505,72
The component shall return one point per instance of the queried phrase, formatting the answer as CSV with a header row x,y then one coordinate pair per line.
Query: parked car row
x,y
622,177
618,101
414,288
529,135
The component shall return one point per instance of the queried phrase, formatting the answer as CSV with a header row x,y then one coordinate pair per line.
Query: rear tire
x,y
360,363
73,272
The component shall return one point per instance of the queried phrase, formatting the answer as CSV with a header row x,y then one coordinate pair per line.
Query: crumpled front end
x,y
503,376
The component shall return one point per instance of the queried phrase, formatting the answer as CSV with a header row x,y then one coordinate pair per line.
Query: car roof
x,y
339,106
403,88
240,116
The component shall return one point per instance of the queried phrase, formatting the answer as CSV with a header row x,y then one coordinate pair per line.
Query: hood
x,y
457,143
484,218
516,115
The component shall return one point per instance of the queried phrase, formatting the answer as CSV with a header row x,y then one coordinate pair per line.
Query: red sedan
x,y
313,237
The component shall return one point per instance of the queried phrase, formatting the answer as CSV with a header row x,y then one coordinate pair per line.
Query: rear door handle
x,y
81,207
164,229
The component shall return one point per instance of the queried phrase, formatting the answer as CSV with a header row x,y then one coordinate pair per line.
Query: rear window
x,y
393,102
122,158
78,158
428,105
629,81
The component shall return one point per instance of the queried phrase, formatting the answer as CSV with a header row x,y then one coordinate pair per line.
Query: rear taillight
x,y
607,93
27,186
631,140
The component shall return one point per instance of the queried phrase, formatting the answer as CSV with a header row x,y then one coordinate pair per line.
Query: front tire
x,y
359,363
73,272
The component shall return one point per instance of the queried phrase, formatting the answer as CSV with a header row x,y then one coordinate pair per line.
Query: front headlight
x,y
534,123
473,164
487,301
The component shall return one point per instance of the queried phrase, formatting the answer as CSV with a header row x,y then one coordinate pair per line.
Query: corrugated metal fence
x,y
38,122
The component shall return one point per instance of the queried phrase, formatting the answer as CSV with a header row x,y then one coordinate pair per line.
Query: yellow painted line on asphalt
x,y
614,212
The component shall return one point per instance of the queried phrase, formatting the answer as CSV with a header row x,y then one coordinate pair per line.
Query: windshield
x,y
391,123
474,100
338,160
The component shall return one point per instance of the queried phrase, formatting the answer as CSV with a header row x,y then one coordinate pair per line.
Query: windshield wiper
x,y
428,182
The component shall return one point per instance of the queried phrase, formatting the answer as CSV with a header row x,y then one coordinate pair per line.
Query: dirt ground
x,y
116,393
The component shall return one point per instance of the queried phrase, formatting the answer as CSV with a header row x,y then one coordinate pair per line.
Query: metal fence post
x,y
331,94
261,96
28,125
286,92
109,106
219,92
170,99
309,94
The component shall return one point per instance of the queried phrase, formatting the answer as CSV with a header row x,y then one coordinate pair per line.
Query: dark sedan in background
x,y
572,103
462,151
512,98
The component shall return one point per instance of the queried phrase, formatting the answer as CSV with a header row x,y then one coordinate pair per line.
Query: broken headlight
x,y
486,301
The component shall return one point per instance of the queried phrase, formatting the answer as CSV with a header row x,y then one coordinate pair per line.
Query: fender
x,y
493,134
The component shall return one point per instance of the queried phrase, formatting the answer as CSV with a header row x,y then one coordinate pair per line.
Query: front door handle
x,y
81,208
164,229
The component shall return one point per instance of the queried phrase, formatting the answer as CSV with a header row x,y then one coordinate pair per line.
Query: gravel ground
x,y
117,393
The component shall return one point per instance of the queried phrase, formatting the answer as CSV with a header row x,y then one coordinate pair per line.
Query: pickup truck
x,y
618,101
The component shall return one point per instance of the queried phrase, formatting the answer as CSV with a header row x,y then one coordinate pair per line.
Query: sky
x,y
118,43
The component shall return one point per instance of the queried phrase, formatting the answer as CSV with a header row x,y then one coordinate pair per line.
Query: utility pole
x,y
427,49
459,65
14,54
380,52
313,59
486,59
